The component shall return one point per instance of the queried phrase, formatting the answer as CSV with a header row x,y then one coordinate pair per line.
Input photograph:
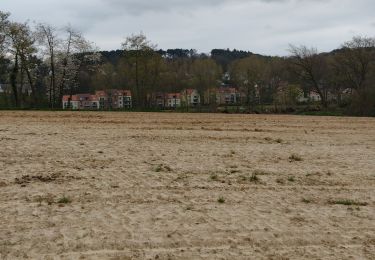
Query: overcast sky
x,y
260,26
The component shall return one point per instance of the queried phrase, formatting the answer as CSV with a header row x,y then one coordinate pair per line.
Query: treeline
x,y
40,63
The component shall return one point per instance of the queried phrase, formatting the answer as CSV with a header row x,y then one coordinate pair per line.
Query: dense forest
x,y
41,63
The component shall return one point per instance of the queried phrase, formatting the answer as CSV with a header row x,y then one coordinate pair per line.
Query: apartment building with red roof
x,y
101,100
190,98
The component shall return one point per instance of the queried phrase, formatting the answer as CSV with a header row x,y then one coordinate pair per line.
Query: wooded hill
x,y
39,64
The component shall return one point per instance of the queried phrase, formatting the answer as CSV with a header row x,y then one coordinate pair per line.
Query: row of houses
x,y
101,100
122,99
115,99
223,96
187,97
192,98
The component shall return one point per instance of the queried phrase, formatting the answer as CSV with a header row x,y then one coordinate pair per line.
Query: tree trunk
x,y
137,80
53,79
22,95
13,80
30,79
65,64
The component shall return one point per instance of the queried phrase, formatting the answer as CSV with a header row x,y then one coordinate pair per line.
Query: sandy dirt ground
x,y
90,185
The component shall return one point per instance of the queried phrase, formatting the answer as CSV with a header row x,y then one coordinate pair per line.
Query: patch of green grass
x,y
159,168
307,201
254,177
347,202
214,177
221,200
295,158
64,200
162,167
47,198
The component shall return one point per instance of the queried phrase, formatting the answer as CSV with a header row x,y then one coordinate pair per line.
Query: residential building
x,y
190,98
157,99
114,99
311,96
80,102
223,96
102,99
173,100
314,96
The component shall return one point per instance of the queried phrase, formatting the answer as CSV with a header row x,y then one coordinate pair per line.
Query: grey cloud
x,y
138,7
263,26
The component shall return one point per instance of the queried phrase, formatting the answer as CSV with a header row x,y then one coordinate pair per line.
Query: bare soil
x,y
90,185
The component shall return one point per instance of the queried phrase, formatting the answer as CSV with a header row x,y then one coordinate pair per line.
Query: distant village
x,y
70,73
120,99
117,99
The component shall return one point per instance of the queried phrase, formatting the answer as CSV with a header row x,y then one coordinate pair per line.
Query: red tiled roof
x,y
72,98
126,92
100,93
94,98
173,95
80,97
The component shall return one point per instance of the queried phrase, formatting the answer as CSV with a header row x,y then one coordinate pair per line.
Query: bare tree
x,y
205,74
26,51
47,37
21,46
277,75
4,22
140,52
85,54
71,34
355,64
249,74
76,53
355,61
310,66
65,58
